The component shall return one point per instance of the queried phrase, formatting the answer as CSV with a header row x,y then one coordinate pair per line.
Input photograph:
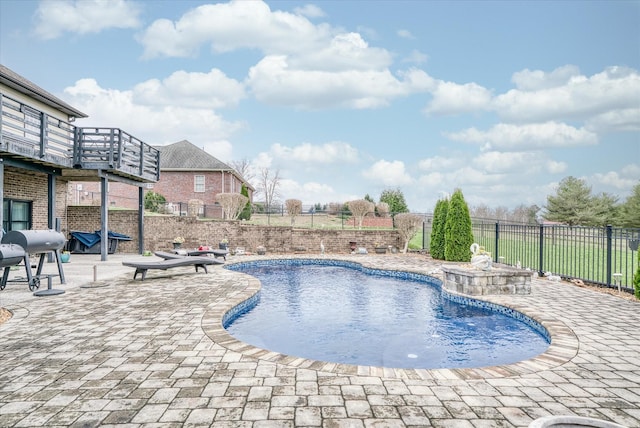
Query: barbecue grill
x,y
20,244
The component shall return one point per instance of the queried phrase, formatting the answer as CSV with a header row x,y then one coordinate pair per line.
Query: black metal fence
x,y
598,255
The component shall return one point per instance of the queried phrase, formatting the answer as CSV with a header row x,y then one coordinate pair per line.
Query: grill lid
x,y
35,241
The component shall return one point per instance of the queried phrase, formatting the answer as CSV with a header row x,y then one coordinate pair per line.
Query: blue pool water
x,y
340,313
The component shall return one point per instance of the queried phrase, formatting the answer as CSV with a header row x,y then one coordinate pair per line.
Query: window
x,y
17,215
198,183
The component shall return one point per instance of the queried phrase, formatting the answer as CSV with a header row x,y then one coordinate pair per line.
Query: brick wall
x,y
32,186
175,186
160,231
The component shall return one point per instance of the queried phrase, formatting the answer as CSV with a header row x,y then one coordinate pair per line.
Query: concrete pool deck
x,y
118,352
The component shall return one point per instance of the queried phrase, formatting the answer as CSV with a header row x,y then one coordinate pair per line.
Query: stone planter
x,y
381,250
465,279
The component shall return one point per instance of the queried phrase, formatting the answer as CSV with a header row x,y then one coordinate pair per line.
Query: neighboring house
x,y
187,173
41,151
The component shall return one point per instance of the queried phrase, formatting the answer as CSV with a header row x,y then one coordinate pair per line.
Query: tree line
x,y
574,204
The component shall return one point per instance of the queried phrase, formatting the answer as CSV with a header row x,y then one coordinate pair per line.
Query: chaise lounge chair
x,y
194,253
143,266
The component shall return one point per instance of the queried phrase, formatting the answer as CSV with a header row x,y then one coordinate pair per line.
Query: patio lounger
x,y
194,253
215,253
143,266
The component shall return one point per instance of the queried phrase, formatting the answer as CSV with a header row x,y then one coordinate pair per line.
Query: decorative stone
x,y
468,280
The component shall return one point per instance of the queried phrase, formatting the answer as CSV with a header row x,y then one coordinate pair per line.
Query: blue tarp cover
x,y
91,238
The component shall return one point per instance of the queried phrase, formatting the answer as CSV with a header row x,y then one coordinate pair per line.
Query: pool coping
x,y
563,347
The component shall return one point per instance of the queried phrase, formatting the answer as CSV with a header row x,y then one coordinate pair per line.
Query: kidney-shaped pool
x,y
340,312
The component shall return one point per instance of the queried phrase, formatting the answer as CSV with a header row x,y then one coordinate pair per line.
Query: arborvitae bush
x,y
458,236
436,247
246,211
154,202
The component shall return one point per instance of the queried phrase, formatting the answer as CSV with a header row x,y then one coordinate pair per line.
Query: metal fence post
x,y
609,252
541,252
497,240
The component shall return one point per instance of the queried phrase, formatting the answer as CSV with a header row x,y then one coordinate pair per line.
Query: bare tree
x,y
334,208
294,208
268,186
243,167
383,209
232,204
360,208
407,225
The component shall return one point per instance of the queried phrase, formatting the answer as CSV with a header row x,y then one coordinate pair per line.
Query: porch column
x,y
140,220
1,195
104,218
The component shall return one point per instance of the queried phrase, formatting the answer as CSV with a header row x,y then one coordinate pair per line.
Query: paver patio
x,y
119,352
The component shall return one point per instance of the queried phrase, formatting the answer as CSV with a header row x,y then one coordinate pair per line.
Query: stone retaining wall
x,y
469,280
160,230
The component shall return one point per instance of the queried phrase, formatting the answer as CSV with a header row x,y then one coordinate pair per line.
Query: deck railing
x,y
33,134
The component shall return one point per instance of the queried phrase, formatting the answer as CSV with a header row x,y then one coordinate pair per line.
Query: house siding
x,y
34,103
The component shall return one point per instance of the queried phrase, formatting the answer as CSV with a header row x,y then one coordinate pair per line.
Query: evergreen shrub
x,y
458,235
436,247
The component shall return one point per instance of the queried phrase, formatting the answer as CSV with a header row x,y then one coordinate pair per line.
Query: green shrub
x,y
458,236
154,201
636,279
245,214
436,247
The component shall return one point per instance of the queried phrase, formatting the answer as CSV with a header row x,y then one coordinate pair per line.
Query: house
x,y
41,151
190,173
187,173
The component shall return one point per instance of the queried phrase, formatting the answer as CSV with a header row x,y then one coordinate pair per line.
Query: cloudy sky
x,y
347,98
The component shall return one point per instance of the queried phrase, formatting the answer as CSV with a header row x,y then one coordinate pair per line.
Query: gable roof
x,y
14,81
183,155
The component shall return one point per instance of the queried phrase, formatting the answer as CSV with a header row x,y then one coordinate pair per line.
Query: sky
x,y
501,99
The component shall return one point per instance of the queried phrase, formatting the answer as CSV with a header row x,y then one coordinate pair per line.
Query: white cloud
x,y
534,136
555,167
416,57
519,163
326,67
272,81
310,11
452,98
628,177
211,90
405,34
263,160
581,97
388,173
527,80
345,51
333,152
53,18
440,163
154,125
309,193
625,120
224,28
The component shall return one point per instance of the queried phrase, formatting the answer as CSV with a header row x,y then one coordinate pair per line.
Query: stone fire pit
x,y
467,279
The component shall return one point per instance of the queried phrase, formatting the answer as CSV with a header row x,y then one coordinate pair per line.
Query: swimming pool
x,y
339,312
